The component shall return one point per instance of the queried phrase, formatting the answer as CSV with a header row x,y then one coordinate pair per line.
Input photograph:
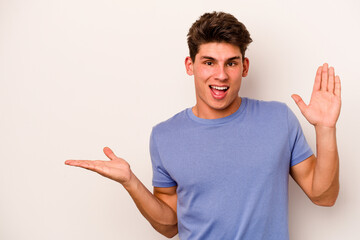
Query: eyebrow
x,y
211,58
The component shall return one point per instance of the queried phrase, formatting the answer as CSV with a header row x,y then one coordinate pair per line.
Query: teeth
x,y
219,88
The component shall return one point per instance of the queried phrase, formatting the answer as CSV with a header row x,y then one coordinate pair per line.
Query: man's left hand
x,y
325,103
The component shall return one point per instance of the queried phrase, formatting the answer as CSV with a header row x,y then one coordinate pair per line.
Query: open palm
x,y
116,169
325,103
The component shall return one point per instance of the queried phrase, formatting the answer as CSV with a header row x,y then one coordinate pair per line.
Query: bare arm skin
x,y
158,208
319,176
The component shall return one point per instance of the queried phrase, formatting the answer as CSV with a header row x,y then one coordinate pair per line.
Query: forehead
x,y
218,50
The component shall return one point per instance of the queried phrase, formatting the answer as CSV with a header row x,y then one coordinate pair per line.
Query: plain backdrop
x,y
78,75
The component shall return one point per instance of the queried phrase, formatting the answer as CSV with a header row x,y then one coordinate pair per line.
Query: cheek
x,y
236,75
203,72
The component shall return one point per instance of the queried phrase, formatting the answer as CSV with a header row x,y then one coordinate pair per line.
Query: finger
x,y
331,81
317,79
109,153
324,77
80,163
337,90
299,102
95,166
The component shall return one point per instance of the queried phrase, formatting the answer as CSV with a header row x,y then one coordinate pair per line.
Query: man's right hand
x,y
158,208
116,169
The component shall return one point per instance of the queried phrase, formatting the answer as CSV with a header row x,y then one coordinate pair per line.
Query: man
x,y
220,169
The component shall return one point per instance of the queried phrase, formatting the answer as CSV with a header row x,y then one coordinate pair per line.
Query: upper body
x,y
218,68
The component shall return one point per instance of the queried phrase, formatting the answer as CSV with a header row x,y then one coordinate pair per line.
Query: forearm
x,y
325,184
158,213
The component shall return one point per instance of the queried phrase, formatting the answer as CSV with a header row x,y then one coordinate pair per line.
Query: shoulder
x,y
172,123
268,108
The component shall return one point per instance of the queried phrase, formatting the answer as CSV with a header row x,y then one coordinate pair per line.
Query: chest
x,y
249,155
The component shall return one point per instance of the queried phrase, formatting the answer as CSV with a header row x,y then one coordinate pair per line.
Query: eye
x,y
209,63
231,64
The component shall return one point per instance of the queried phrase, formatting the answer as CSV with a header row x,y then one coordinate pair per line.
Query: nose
x,y
220,73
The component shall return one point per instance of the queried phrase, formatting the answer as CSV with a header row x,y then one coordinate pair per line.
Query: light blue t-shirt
x,y
231,173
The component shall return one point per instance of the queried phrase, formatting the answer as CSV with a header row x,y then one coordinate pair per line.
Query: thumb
x,y
109,153
299,102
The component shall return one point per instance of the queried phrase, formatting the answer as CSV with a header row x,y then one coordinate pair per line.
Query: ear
x,y
246,65
189,66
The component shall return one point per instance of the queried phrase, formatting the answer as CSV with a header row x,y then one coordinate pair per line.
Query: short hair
x,y
217,27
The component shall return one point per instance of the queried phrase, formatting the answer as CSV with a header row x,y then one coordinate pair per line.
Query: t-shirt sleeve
x,y
161,178
299,148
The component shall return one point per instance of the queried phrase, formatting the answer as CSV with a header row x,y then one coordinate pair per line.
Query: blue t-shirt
x,y
231,173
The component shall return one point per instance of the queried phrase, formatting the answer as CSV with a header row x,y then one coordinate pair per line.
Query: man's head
x,y
217,27
217,43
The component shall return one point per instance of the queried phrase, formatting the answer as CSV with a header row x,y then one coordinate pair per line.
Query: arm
x,y
158,208
319,176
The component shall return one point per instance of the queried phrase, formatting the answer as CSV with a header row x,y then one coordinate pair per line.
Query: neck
x,y
207,112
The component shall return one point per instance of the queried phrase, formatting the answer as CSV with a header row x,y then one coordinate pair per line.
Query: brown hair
x,y
217,27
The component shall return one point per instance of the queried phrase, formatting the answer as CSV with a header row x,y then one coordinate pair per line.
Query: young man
x,y
220,169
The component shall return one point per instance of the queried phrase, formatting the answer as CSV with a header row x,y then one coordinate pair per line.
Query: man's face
x,y
218,70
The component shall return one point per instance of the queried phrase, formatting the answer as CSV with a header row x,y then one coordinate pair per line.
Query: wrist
x,y
130,183
325,138
325,132
323,128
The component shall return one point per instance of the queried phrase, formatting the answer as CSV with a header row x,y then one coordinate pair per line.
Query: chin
x,y
223,106
220,107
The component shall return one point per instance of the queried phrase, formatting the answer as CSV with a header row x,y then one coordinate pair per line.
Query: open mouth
x,y
219,88
218,92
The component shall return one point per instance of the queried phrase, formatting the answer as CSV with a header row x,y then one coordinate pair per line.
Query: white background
x,y
78,75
